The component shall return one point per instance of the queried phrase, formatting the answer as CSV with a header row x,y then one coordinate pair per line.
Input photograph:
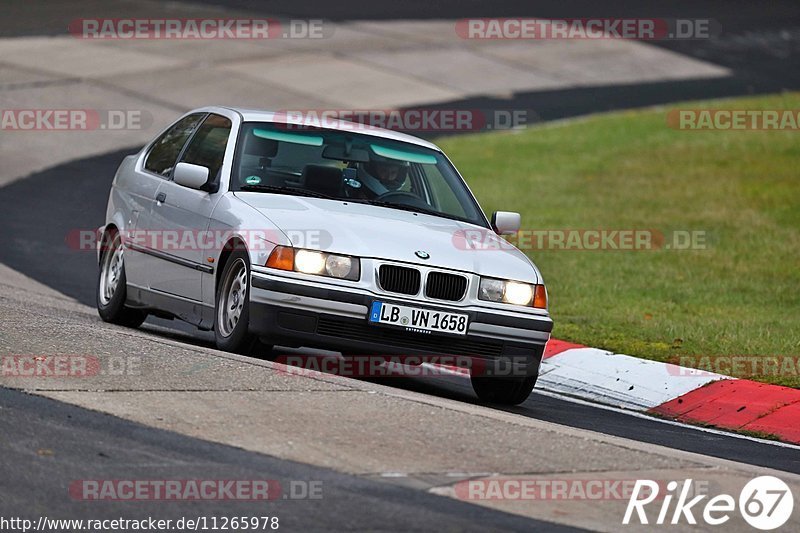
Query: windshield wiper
x,y
298,191
414,209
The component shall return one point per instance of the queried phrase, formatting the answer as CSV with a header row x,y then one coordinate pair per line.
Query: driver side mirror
x,y
506,222
189,175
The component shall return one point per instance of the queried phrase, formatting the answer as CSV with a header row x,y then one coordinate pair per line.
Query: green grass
x,y
740,296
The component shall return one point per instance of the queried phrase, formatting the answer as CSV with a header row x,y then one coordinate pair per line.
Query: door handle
x,y
161,197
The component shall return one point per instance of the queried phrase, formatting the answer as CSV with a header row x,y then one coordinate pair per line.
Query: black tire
x,y
111,291
230,335
262,350
505,391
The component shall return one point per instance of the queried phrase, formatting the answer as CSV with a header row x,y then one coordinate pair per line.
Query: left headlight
x,y
315,262
513,292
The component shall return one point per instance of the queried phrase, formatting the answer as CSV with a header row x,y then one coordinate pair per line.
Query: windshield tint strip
x,y
308,140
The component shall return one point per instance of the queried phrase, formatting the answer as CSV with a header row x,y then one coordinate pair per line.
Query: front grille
x,y
430,343
399,279
445,286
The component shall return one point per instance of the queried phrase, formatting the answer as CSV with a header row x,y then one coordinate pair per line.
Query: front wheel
x,y
501,390
233,306
112,285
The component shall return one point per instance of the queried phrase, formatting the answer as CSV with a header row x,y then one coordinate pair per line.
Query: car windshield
x,y
357,167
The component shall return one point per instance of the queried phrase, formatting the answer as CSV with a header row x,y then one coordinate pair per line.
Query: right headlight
x,y
513,292
315,262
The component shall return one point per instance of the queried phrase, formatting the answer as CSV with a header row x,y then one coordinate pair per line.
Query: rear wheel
x,y
231,326
501,390
112,285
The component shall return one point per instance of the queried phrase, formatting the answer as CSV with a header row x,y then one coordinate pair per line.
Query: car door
x,y
183,214
142,187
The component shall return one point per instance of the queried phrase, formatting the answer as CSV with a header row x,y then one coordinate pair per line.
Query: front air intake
x,y
402,280
442,286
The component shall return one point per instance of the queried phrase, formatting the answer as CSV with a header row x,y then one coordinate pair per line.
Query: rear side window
x,y
207,147
165,150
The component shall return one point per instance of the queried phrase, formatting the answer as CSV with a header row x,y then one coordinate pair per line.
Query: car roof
x,y
289,117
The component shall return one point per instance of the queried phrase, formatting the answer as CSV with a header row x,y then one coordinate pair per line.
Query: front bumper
x,y
291,312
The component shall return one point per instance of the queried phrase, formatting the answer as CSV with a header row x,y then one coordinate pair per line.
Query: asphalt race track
x,y
121,448
755,43
74,196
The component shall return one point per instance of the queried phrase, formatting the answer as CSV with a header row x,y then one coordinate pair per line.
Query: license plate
x,y
416,319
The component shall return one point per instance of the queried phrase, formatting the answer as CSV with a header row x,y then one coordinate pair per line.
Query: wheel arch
x,y
234,244
102,232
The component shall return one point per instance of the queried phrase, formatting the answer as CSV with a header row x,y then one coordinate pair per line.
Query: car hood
x,y
365,230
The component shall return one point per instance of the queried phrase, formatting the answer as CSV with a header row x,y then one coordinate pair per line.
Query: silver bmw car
x,y
341,236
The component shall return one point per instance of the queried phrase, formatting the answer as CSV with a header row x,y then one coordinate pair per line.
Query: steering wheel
x,y
401,197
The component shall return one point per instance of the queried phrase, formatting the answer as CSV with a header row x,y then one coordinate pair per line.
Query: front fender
x,y
234,219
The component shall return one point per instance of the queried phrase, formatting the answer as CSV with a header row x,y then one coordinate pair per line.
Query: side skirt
x,y
191,311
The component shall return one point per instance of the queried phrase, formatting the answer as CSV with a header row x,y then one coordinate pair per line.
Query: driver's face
x,y
388,173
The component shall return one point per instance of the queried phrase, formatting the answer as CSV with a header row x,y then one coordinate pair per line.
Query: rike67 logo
x,y
765,503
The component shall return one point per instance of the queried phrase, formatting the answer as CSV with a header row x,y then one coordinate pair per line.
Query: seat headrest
x,y
323,179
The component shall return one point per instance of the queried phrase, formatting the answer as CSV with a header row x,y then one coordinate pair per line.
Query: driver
x,y
382,177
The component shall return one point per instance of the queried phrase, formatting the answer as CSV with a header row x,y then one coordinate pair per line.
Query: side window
x,y
207,147
165,151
